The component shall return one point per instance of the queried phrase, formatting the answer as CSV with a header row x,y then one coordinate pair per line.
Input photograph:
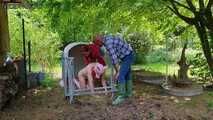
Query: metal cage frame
x,y
72,62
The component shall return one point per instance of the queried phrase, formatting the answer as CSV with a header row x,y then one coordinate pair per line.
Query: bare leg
x,y
103,81
82,81
90,81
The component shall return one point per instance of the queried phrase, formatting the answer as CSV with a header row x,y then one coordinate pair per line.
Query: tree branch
x,y
182,5
190,4
209,16
201,4
209,5
176,12
186,19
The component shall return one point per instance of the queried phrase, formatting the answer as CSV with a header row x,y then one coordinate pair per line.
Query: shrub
x,y
200,70
139,58
141,43
162,55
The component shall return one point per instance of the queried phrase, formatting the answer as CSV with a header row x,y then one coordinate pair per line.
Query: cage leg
x,y
113,96
71,98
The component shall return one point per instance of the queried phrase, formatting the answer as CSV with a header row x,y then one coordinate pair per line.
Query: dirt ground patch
x,y
149,103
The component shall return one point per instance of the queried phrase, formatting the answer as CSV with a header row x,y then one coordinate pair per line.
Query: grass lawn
x,y
55,69
158,67
155,67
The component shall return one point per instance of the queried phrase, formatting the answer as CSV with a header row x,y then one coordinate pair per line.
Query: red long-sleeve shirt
x,y
93,54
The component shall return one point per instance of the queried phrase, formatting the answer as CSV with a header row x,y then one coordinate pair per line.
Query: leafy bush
x,y
200,70
162,55
141,43
139,58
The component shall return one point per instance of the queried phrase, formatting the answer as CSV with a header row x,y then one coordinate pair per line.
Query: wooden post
x,y
4,32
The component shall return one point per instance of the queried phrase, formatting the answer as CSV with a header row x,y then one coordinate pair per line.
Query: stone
x,y
187,99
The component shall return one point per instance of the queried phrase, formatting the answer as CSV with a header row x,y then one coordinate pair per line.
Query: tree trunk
x,y
4,33
182,72
205,44
211,46
211,40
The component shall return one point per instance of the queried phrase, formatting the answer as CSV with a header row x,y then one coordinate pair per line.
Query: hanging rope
x,y
165,82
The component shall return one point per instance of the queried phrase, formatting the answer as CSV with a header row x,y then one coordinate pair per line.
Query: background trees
x,y
4,33
199,14
165,24
45,43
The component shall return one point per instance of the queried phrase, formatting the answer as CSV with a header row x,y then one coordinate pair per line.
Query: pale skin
x,y
86,73
100,43
116,67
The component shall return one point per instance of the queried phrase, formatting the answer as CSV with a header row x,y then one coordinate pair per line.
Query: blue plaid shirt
x,y
117,48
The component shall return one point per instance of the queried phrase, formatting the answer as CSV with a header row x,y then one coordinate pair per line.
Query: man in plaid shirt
x,y
122,57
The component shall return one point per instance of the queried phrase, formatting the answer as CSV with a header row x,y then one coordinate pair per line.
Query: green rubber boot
x,y
129,86
121,94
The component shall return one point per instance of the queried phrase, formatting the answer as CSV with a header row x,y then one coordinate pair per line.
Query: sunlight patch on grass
x,y
36,68
158,67
55,69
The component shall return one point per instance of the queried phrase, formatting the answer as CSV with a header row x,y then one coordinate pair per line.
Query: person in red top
x,y
92,54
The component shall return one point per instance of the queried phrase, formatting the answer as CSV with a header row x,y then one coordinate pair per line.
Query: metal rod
x,y
167,66
97,88
29,54
24,50
90,93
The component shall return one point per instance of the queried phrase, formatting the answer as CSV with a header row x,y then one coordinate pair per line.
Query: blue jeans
x,y
125,68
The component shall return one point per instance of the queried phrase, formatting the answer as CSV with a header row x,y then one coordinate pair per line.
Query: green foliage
x,y
210,104
158,67
45,44
78,20
59,22
161,54
200,70
139,59
188,9
210,93
141,43
210,100
158,55
48,82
